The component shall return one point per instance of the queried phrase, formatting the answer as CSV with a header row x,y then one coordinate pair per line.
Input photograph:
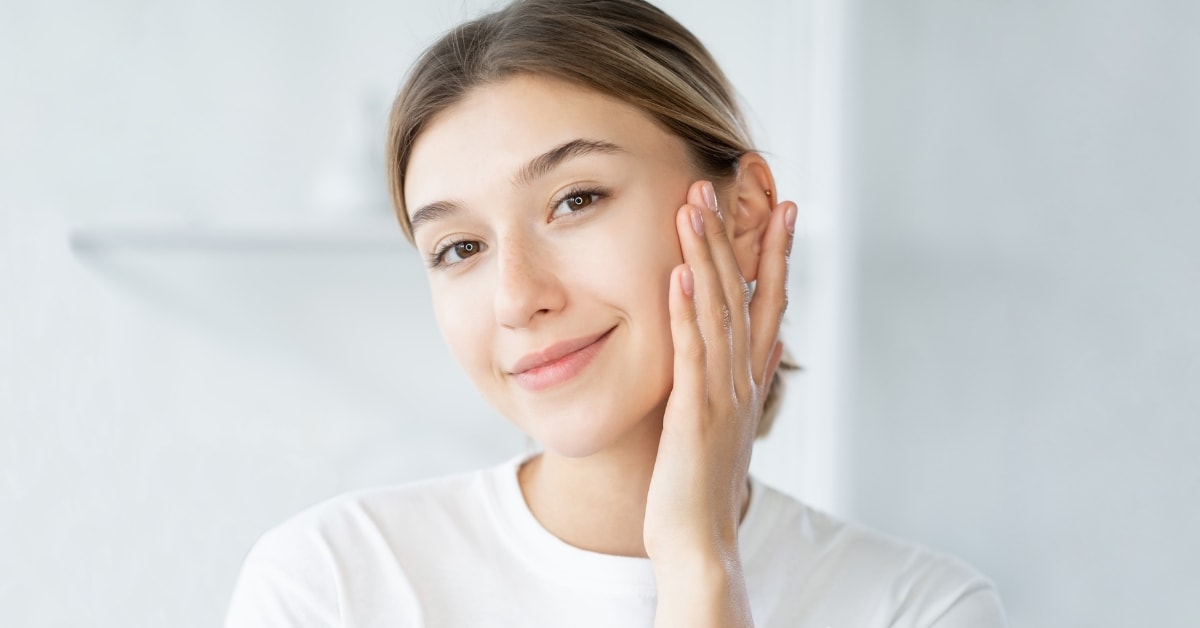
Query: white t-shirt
x,y
465,550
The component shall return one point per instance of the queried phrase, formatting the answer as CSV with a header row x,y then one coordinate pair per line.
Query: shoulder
x,y
389,507
907,584
297,571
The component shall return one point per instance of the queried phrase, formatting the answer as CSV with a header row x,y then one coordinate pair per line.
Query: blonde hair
x,y
627,49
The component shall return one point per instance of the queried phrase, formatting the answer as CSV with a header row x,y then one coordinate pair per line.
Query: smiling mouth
x,y
564,363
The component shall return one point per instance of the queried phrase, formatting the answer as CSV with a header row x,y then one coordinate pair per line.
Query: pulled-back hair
x,y
626,49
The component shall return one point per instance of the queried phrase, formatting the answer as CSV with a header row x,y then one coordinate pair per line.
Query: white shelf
x,y
358,234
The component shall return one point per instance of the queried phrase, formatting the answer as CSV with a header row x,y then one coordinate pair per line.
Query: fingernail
x,y
710,195
686,281
789,219
697,221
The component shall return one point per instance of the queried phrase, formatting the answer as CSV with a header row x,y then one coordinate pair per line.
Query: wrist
x,y
697,567
682,552
708,592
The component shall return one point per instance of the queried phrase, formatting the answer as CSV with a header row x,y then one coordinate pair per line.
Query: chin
x,y
579,433
580,422
577,438
571,447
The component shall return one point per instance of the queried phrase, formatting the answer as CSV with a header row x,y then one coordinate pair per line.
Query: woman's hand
x,y
726,353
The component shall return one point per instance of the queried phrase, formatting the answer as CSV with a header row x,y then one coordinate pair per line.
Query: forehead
x,y
485,138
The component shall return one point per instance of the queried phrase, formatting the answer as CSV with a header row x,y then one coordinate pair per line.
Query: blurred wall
x,y
1024,183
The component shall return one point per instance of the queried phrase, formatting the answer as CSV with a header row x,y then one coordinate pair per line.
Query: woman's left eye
x,y
575,201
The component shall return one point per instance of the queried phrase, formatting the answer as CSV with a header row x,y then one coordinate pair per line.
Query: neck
x,y
598,502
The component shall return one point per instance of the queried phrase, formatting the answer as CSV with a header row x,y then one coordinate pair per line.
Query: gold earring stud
x,y
768,193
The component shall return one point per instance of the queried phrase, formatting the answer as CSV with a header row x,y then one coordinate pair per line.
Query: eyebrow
x,y
535,169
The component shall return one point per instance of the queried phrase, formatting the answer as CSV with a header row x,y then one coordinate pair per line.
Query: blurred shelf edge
x,y
362,233
357,234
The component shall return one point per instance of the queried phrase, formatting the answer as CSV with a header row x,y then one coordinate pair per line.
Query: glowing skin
x,y
560,289
533,274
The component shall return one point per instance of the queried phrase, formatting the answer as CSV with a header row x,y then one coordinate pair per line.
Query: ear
x,y
754,197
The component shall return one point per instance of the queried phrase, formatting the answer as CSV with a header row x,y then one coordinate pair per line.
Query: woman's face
x,y
547,215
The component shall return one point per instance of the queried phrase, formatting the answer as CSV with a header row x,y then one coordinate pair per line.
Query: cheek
x,y
631,266
654,250
631,256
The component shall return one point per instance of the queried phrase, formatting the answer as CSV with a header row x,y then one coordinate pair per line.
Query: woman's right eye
x,y
455,252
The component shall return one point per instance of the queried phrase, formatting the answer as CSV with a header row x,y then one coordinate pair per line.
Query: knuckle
x,y
683,314
726,318
693,350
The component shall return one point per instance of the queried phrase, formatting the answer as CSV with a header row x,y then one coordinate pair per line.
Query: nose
x,y
527,284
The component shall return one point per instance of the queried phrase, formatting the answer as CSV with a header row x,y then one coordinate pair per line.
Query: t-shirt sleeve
x,y
286,581
978,608
942,591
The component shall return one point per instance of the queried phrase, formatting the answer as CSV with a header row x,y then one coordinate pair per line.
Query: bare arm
x,y
712,593
726,353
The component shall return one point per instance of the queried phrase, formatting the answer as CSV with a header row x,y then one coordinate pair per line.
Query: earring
x,y
768,193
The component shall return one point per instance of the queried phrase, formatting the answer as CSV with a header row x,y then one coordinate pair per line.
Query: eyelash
x,y
437,259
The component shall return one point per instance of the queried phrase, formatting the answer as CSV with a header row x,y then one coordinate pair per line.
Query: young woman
x,y
608,260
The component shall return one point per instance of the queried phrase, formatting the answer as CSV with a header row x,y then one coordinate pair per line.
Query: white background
x,y
993,296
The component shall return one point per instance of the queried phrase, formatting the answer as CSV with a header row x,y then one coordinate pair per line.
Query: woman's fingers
x,y
770,290
712,312
736,335
690,354
773,363
722,291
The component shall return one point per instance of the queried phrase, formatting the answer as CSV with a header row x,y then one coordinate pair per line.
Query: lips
x,y
555,352
558,362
